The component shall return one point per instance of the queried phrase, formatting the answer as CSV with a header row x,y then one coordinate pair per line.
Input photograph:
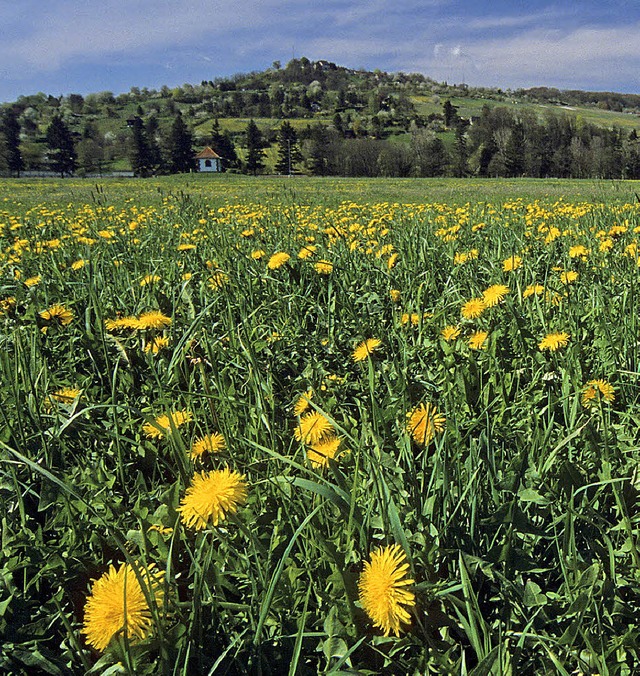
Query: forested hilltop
x,y
315,117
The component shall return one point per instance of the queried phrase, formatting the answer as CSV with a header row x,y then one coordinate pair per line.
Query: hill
x,y
349,121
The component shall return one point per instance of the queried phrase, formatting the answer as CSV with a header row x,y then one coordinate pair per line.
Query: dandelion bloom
x,y
79,264
7,305
211,443
324,267
185,247
67,395
391,262
450,333
494,294
149,279
58,313
153,319
383,589
32,281
312,428
156,344
568,277
323,450
166,422
218,279
278,260
477,340
473,308
533,290
307,251
258,254
118,602
121,323
364,349
511,264
395,295
302,403
554,341
578,251
595,389
211,496
423,423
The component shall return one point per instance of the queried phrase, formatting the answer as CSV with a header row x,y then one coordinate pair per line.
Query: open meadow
x,y
298,426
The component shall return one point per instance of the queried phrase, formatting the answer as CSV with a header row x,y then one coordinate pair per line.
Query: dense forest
x,y
322,119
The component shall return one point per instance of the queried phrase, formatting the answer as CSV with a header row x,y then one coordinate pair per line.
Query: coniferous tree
x,y
140,155
180,147
11,132
288,151
460,153
62,152
154,153
255,148
222,143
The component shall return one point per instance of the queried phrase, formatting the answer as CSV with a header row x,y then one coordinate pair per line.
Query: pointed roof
x,y
208,154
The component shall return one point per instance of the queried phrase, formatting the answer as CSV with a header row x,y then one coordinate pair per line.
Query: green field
x,y
299,426
228,188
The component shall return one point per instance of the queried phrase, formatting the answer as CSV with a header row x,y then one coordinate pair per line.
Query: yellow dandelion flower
x,y
218,279
121,323
450,333
153,319
7,305
383,589
578,251
258,254
166,422
533,290
511,264
554,341
494,294
322,451
149,279
395,295
119,602
391,262
57,313
366,348
307,251
186,247
278,260
423,423
156,344
312,428
79,264
568,277
477,340
473,308
211,443
66,395
32,281
595,389
324,267
302,403
211,497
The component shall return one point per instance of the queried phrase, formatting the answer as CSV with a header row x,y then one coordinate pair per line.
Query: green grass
x,y
518,519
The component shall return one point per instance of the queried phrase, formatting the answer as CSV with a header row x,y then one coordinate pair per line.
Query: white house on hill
x,y
208,160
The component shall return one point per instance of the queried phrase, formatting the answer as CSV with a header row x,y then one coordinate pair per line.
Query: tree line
x,y
500,142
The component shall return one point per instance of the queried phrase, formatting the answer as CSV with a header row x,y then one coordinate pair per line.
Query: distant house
x,y
208,160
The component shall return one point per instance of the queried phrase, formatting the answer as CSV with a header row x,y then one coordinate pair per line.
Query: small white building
x,y
208,160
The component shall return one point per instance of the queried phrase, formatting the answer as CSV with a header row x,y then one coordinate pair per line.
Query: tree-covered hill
x,y
339,121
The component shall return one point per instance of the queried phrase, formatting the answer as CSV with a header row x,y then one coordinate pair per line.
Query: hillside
x,y
395,110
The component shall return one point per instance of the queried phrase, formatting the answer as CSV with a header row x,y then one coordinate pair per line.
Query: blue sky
x,y
83,46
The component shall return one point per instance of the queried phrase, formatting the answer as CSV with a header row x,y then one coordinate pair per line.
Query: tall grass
x,y
519,521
